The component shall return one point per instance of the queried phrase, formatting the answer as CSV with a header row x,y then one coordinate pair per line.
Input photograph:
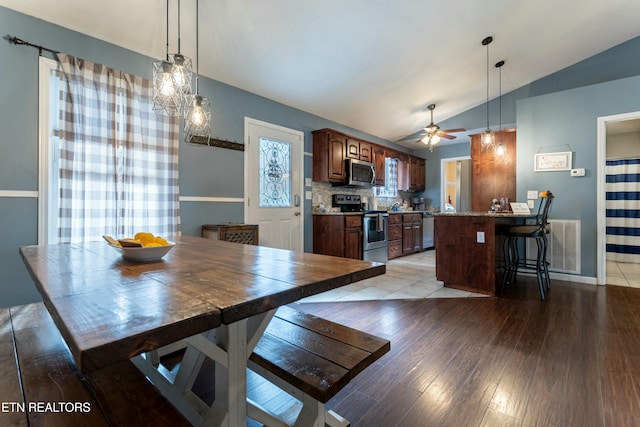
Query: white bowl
x,y
152,253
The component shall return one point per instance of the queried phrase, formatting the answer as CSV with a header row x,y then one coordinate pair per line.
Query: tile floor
x,y
623,274
408,277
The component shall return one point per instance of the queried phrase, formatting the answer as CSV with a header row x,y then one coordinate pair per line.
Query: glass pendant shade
x,y
501,150
488,139
167,97
435,139
197,118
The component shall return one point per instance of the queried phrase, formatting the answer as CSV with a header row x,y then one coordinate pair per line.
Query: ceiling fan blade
x,y
447,136
454,130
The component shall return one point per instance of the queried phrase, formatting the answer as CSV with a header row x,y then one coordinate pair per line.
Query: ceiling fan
x,y
432,133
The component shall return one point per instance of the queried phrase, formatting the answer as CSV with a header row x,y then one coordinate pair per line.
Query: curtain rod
x,y
17,41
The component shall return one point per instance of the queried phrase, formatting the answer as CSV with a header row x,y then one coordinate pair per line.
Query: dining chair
x,y
518,233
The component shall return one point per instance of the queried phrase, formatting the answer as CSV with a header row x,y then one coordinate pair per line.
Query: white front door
x,y
274,183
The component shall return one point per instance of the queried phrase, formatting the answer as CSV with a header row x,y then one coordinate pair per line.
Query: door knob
x,y
297,214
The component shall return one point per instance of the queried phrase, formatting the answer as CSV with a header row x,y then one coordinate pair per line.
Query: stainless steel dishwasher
x,y
427,230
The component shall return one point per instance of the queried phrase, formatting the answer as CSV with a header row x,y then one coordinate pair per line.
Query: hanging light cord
x,y
178,26
488,84
500,94
197,46
167,32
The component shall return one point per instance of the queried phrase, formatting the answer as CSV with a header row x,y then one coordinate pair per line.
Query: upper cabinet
x,y
411,173
379,158
331,148
359,150
492,177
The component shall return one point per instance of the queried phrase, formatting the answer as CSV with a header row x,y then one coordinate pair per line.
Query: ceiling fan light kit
x,y
433,134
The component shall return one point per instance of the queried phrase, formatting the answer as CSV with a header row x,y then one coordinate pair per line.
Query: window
x,y
112,163
390,188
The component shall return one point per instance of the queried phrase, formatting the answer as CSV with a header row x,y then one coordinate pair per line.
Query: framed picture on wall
x,y
549,162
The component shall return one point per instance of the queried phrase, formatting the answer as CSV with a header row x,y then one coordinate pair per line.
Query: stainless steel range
x,y
374,226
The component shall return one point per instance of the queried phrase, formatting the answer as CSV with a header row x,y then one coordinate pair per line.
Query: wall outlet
x,y
531,204
480,236
532,194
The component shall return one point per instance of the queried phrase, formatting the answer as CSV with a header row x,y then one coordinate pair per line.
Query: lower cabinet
x,y
338,235
394,236
411,233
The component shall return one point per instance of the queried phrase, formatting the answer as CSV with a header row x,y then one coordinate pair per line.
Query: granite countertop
x,y
485,214
337,213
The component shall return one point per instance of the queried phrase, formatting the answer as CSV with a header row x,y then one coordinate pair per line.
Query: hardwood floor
x,y
572,360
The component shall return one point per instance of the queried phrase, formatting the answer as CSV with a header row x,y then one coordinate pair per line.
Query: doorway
x,y
273,183
618,143
455,192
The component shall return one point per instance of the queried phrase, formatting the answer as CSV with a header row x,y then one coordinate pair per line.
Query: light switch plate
x,y
307,182
480,236
532,194
307,195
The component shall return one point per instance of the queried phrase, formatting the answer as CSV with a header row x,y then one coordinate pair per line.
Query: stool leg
x,y
545,263
540,273
506,250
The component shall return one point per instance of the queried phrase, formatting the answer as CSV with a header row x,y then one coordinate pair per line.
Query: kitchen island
x,y
469,249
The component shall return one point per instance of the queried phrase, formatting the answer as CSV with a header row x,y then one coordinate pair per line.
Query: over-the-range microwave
x,y
359,174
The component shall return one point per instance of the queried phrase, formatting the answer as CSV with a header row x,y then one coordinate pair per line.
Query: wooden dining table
x,y
213,297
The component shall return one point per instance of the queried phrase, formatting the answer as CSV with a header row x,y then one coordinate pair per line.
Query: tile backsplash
x,y
322,192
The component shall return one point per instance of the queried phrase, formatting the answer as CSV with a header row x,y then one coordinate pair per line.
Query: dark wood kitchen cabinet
x,y
338,235
492,177
411,233
417,174
379,157
359,150
329,149
394,236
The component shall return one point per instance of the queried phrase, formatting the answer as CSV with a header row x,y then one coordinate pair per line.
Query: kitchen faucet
x,y
395,205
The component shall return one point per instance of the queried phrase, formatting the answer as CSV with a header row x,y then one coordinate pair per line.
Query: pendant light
x,y
182,73
501,149
488,138
197,119
167,98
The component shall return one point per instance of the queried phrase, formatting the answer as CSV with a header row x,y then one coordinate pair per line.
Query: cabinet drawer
x,y
394,249
395,232
352,221
395,219
411,218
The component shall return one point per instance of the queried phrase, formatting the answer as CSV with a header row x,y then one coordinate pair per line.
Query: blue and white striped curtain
x,y
623,210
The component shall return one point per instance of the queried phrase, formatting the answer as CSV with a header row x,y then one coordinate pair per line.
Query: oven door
x,y
375,231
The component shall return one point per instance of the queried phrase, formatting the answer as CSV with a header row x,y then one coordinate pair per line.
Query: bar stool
x,y
537,231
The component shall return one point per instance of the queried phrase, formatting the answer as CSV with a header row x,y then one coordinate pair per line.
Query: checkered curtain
x,y
118,171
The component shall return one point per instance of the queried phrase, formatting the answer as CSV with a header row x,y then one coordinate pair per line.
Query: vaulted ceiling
x,y
373,65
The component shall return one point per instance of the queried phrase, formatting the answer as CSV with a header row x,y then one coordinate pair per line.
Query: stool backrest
x,y
544,209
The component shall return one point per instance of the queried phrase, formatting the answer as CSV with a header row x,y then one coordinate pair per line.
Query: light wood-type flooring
x,y
572,360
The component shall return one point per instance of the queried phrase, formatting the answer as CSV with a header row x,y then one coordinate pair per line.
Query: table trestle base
x,y
229,346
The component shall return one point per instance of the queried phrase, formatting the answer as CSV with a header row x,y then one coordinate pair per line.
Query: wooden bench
x,y
312,359
41,386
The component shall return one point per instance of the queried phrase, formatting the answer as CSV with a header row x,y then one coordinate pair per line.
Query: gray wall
x,y
547,112
204,171
570,117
